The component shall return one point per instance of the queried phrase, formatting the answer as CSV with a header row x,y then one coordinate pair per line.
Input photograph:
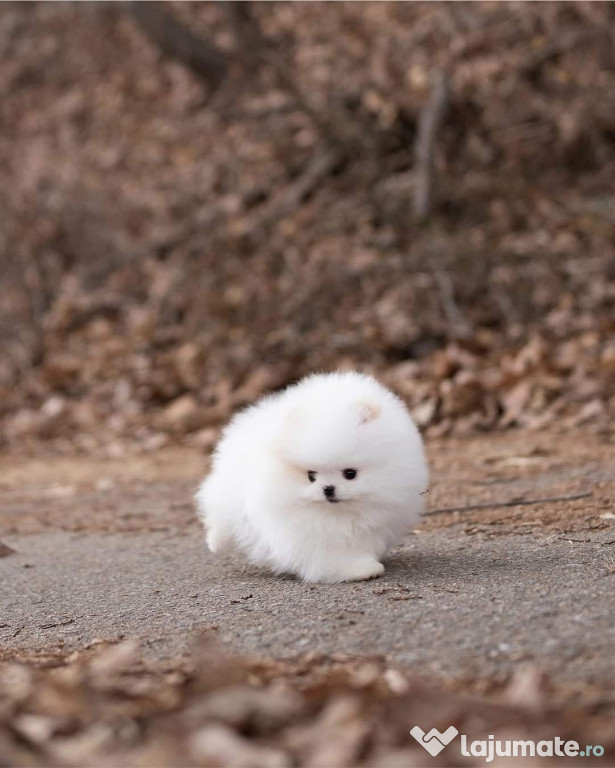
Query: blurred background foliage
x,y
201,202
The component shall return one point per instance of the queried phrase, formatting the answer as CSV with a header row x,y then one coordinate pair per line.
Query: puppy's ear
x,y
368,412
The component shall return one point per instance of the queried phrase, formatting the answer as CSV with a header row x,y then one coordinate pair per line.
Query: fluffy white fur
x,y
260,500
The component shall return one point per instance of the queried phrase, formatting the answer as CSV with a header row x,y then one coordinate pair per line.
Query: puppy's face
x,y
332,485
338,458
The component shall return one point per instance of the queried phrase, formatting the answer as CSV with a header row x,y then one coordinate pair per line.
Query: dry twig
x,y
511,503
256,50
176,40
458,326
429,124
557,46
322,164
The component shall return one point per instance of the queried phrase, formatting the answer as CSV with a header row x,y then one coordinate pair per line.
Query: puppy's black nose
x,y
329,491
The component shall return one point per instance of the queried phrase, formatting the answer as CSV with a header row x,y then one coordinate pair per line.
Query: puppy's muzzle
x,y
329,491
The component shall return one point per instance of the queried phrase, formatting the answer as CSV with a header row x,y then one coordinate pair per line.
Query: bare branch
x,y
557,46
429,124
322,164
511,503
256,50
458,326
177,41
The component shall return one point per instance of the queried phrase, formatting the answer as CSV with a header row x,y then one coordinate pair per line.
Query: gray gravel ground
x,y
449,602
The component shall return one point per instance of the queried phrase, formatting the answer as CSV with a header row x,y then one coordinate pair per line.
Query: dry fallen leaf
x,y
5,550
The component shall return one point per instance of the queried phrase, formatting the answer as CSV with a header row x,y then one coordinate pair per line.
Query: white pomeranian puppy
x,y
319,480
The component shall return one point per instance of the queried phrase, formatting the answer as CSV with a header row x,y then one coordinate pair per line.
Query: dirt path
x,y
106,549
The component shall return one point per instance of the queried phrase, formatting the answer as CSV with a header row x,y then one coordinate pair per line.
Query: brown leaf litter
x,y
108,707
163,264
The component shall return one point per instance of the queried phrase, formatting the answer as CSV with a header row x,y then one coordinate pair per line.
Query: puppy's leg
x,y
219,539
352,567
215,513
361,568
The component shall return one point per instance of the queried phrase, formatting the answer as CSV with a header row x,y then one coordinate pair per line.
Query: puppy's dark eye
x,y
311,476
349,474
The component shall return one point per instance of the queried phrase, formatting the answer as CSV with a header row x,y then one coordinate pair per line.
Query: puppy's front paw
x,y
218,541
362,569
